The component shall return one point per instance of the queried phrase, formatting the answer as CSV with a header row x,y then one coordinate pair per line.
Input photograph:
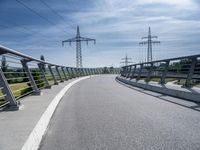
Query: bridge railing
x,y
181,70
21,75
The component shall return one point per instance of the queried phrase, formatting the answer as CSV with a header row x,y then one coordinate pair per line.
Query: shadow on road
x,y
195,107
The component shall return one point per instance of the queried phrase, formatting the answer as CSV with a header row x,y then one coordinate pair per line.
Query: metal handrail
x,y
164,60
187,70
57,73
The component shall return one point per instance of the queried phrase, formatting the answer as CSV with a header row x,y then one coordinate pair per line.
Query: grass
x,y
166,80
182,82
19,89
15,88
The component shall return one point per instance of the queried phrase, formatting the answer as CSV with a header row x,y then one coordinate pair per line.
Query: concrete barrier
x,y
175,91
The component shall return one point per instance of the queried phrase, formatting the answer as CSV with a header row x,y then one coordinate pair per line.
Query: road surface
x,y
101,114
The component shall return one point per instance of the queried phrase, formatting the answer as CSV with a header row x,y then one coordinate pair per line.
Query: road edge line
x,y
36,135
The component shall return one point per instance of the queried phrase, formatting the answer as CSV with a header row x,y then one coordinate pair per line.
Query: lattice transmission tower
x,y
126,61
78,39
149,43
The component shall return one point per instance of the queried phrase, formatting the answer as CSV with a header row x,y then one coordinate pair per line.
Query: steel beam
x,y
149,72
59,75
62,68
47,85
191,72
9,97
68,73
140,71
133,72
53,76
36,90
162,79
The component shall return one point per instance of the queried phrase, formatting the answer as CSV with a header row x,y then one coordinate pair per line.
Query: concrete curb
x,y
187,95
34,139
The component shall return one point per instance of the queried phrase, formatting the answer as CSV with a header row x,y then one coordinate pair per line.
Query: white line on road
x,y
34,139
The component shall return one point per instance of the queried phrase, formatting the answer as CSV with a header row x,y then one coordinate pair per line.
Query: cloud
x,y
118,27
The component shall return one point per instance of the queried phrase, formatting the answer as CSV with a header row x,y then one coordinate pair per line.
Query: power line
x,y
55,12
25,29
36,13
7,27
28,34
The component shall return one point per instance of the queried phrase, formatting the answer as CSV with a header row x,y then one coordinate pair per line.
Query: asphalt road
x,y
101,114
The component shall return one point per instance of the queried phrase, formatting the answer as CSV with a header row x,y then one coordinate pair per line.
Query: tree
x,y
43,66
111,69
4,65
105,70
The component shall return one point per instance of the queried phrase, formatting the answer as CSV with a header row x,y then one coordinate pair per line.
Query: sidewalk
x,y
16,126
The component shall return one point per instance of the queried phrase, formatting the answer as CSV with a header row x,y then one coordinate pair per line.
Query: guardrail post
x,y
72,71
36,91
64,73
133,72
99,70
7,92
44,77
53,76
149,72
122,71
91,71
162,80
94,71
68,73
79,72
191,72
76,72
129,71
83,72
57,70
125,71
140,71
88,70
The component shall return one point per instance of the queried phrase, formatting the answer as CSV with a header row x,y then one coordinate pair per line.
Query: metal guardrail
x,y
23,75
186,70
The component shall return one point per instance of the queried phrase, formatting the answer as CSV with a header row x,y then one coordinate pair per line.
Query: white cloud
x,y
186,4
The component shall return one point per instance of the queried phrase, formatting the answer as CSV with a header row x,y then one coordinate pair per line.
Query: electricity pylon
x,y
149,43
126,61
78,40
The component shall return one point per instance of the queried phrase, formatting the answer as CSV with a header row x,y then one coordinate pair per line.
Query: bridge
x,y
153,105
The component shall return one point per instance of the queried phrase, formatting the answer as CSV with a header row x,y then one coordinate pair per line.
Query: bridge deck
x,y
99,113
15,126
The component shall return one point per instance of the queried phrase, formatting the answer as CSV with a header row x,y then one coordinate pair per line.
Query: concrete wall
x,y
188,94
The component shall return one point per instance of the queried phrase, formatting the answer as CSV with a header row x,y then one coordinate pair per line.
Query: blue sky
x,y
117,26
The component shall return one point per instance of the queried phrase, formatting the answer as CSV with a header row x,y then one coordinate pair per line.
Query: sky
x,y
116,25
